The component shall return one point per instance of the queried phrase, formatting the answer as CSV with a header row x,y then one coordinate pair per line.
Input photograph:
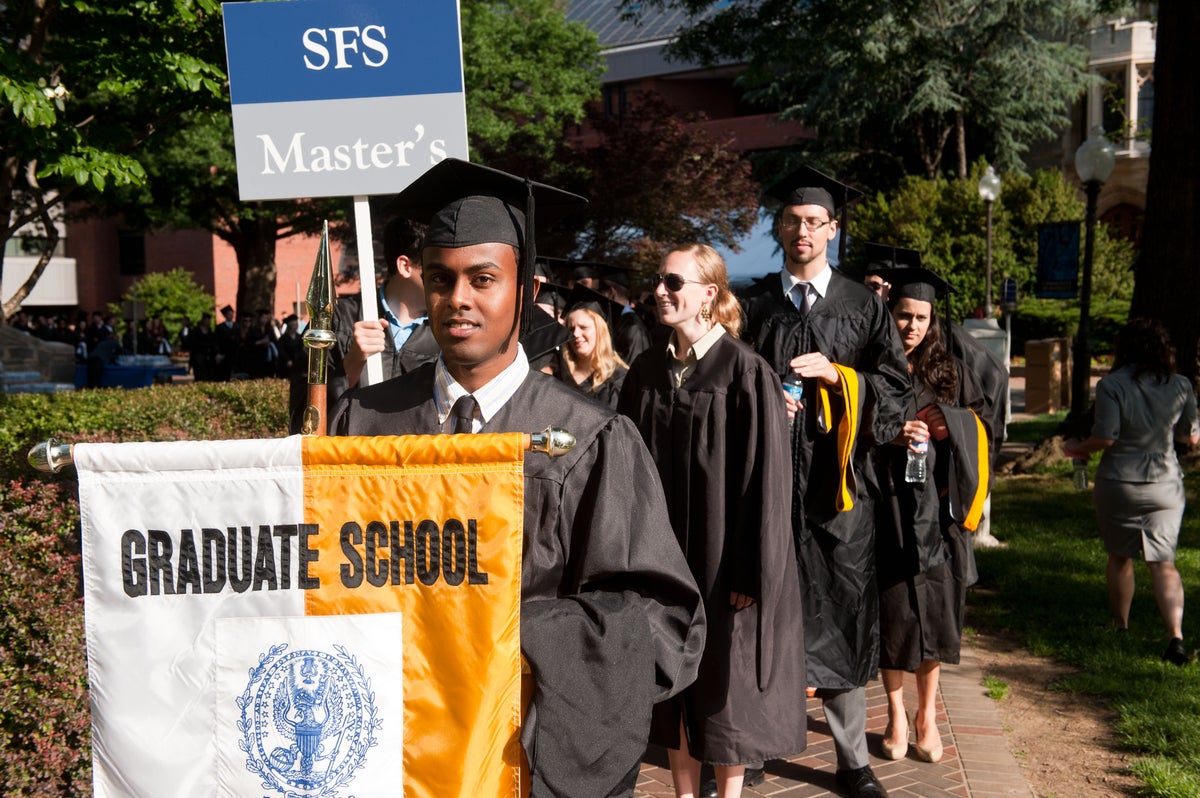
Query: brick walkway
x,y
977,762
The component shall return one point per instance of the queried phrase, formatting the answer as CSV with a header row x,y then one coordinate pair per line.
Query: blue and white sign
x,y
343,97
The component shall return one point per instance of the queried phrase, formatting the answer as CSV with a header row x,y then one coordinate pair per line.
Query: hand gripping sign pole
x,y
318,338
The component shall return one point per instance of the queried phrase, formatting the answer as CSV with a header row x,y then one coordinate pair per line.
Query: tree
x,y
85,86
520,95
192,183
890,84
528,74
171,296
944,220
659,180
1168,274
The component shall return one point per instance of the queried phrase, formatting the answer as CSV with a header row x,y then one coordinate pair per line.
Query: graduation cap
x,y
886,258
225,311
554,295
916,283
466,204
584,270
617,275
808,186
582,298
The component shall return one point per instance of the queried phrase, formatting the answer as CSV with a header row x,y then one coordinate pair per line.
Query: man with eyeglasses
x,y
803,320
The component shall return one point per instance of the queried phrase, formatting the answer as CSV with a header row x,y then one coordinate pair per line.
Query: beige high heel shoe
x,y
934,752
895,750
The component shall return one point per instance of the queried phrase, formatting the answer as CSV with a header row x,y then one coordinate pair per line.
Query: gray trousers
x,y
846,713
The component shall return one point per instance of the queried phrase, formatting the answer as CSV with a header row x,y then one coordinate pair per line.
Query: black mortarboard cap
x,y
585,298
579,270
226,310
617,275
466,204
916,283
885,258
808,186
553,294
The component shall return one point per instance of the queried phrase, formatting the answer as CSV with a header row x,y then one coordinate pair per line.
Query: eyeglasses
x,y
794,223
673,282
877,285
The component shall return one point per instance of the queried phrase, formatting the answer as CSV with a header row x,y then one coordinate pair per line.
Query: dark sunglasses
x,y
673,282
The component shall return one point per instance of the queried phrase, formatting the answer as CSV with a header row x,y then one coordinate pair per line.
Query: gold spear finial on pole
x,y
319,337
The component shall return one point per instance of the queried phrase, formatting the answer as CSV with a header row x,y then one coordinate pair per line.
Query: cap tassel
x,y
528,261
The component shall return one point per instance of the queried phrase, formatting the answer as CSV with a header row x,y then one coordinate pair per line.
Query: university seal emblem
x,y
308,719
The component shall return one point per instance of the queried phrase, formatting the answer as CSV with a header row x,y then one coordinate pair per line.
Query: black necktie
x,y
463,414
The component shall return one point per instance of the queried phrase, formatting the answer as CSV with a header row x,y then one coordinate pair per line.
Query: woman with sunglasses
x,y
712,414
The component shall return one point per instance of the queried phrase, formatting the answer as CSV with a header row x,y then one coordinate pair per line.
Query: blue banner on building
x,y
1058,260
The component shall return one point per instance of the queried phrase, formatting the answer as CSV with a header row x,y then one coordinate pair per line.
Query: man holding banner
x,y
611,619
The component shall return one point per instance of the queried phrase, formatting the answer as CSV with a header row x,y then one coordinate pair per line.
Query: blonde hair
x,y
604,358
726,310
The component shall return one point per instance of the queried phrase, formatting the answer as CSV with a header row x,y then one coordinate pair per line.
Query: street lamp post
x,y
1094,162
989,190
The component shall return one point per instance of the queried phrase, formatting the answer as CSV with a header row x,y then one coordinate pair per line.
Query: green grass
x,y
997,689
1048,588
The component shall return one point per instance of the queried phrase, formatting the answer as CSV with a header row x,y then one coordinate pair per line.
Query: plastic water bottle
x,y
914,469
794,387
1081,475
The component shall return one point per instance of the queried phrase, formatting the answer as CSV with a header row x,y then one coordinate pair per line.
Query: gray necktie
x,y
463,414
805,303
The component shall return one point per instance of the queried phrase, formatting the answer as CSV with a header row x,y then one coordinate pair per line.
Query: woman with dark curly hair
x,y
1140,407
923,546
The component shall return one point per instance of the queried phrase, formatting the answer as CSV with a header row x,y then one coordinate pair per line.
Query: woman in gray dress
x,y
1141,408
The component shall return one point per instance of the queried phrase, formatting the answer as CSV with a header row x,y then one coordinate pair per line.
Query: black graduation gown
x,y
543,340
726,471
852,327
630,336
925,559
606,393
611,619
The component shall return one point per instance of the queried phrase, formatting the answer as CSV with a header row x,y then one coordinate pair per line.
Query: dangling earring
x,y
705,314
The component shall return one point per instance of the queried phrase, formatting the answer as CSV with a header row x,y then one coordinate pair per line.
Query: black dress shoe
x,y
861,783
1175,652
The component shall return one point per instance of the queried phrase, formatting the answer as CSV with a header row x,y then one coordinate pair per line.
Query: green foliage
x,y
528,74
172,296
946,221
890,83
44,721
661,180
1048,587
84,85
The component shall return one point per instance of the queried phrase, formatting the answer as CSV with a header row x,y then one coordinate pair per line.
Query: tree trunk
x,y
1167,281
255,247
960,135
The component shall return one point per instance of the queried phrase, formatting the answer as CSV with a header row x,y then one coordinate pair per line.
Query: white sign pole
x,y
366,279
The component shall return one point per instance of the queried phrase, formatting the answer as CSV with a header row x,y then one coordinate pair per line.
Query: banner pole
x,y
319,337
51,456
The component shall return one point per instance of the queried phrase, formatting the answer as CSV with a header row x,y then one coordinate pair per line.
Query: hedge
x,y
45,724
